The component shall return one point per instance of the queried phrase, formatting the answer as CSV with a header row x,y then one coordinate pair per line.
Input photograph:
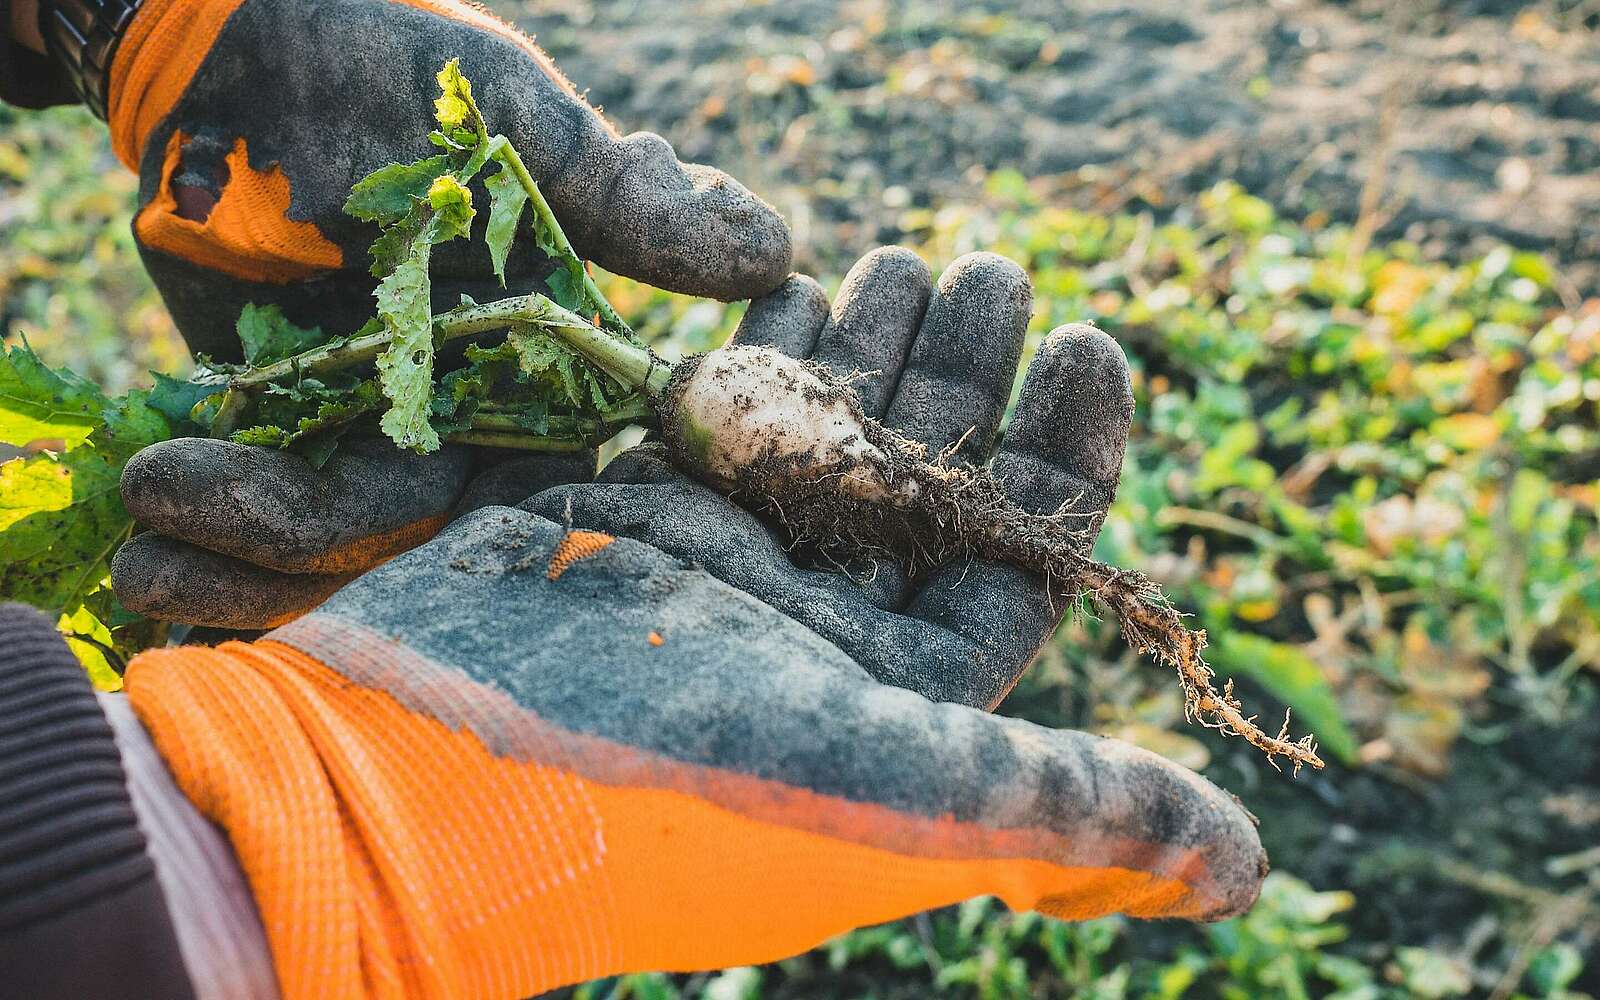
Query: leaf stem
x,y
557,427
524,441
508,155
329,357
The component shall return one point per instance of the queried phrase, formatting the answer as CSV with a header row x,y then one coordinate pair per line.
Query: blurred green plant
x,y
70,278
1377,475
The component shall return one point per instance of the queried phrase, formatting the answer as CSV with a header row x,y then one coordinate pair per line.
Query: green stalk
x,y
523,441
508,156
558,427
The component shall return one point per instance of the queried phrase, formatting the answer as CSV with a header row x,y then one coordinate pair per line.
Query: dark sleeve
x,y
28,79
81,912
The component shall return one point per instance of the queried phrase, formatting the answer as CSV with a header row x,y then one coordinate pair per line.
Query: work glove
x,y
617,729
248,122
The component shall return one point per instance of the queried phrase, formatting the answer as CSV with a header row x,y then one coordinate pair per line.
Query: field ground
x,y
1351,251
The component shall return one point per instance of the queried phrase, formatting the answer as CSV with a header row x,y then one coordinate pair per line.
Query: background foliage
x,y
1371,468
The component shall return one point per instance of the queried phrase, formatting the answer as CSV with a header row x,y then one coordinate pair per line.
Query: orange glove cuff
x,y
394,855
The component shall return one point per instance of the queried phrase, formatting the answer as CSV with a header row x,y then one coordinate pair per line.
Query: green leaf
x,y
40,404
405,369
1293,678
391,249
507,199
452,209
310,418
267,336
537,353
61,513
263,435
566,288
386,195
176,399
454,108
87,636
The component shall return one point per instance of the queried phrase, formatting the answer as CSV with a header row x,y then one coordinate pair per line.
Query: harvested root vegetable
x,y
787,437
790,438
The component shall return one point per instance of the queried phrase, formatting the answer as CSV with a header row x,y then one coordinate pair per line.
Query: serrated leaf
x,y
263,435
385,195
568,370
315,434
405,368
597,391
392,248
536,352
268,336
507,199
566,281
38,403
61,513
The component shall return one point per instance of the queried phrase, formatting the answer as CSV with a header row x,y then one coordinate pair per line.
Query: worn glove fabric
x,y
463,777
533,752
29,79
248,121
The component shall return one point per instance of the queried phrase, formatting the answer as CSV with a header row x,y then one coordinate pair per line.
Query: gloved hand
x,y
248,122
528,754
938,365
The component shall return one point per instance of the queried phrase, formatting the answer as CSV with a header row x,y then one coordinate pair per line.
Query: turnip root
x,y
790,438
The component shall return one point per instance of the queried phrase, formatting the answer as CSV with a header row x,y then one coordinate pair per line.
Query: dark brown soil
x,y
1478,119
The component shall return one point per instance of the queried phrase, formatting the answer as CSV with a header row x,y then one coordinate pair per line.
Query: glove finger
x,y
271,508
509,482
1064,446
629,204
680,226
875,317
789,318
173,581
1066,440
958,377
